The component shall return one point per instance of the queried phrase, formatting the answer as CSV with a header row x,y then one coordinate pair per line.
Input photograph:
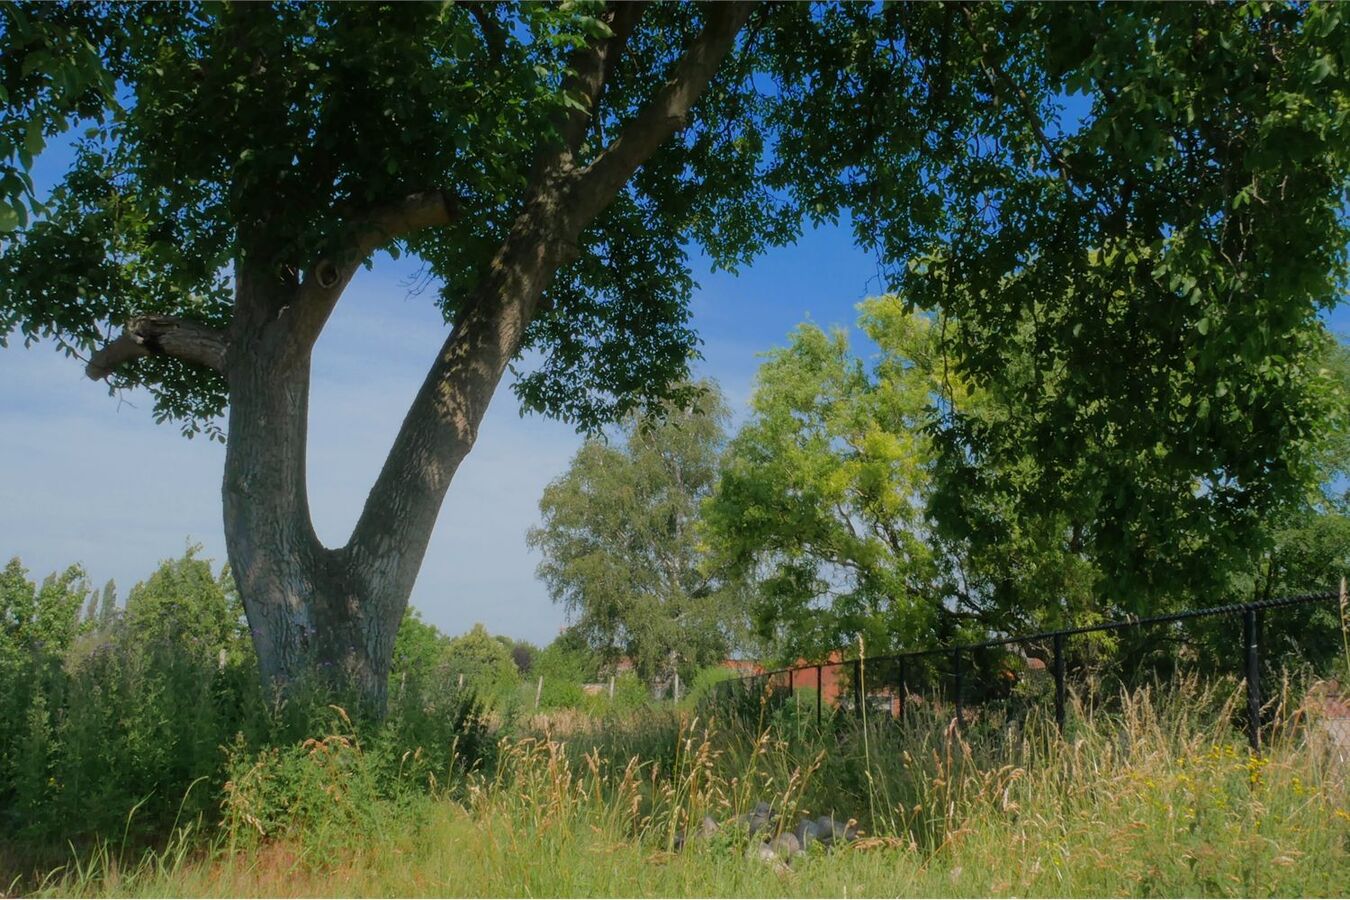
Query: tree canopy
x,y
837,499
823,492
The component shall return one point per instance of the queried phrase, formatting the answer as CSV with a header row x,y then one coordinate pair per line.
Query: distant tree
x,y
107,609
184,604
483,660
38,624
822,495
90,616
523,654
621,546
41,618
421,651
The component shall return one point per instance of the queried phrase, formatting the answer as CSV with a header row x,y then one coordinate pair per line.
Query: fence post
x,y
1251,640
1060,691
903,688
820,692
960,680
857,687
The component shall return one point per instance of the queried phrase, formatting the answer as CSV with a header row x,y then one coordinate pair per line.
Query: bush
x,y
133,710
704,684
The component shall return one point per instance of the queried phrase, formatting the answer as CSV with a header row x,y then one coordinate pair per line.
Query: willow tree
x,y
551,165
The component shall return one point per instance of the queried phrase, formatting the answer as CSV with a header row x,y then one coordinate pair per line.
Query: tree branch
x,y
997,76
667,111
591,67
324,283
156,335
380,226
441,426
493,34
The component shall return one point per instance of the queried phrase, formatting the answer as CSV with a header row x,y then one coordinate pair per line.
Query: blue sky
x,y
92,479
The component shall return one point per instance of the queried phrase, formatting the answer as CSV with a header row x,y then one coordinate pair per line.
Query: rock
x,y
764,853
831,830
807,832
706,829
760,819
786,846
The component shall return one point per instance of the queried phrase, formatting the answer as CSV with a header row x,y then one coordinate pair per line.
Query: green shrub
x,y
117,723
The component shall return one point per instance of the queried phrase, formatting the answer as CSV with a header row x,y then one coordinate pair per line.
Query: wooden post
x,y
677,687
1251,633
538,691
820,691
611,687
1060,690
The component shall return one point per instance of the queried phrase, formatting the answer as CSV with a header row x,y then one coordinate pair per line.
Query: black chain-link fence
x,y
1002,679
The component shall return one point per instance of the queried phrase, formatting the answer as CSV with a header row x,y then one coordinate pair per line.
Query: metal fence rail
x,y
903,675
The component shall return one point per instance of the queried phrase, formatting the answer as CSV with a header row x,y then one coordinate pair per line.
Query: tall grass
x,y
1150,795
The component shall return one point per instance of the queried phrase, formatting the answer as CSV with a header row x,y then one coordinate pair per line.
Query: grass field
x,y
1147,797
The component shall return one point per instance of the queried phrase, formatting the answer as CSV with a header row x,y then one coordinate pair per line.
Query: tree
x,y
523,654
483,660
823,491
251,157
182,603
836,496
621,546
107,608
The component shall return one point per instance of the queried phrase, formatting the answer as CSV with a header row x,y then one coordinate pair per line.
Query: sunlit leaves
x,y
822,495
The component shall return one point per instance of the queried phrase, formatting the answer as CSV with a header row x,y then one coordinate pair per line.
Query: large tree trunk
x,y
328,618
314,621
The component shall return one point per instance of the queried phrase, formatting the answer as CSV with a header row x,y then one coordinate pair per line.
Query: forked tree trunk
x,y
327,618
311,622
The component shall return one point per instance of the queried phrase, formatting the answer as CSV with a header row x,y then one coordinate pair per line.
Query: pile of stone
x,y
773,844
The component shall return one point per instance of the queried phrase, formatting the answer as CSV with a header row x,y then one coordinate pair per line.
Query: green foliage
x,y
621,548
565,665
124,711
1139,288
630,694
1159,798
845,496
271,133
183,603
50,76
823,491
1160,186
704,685
483,660
135,710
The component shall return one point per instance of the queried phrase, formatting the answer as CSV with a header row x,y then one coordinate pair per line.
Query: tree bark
x,y
154,335
318,620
